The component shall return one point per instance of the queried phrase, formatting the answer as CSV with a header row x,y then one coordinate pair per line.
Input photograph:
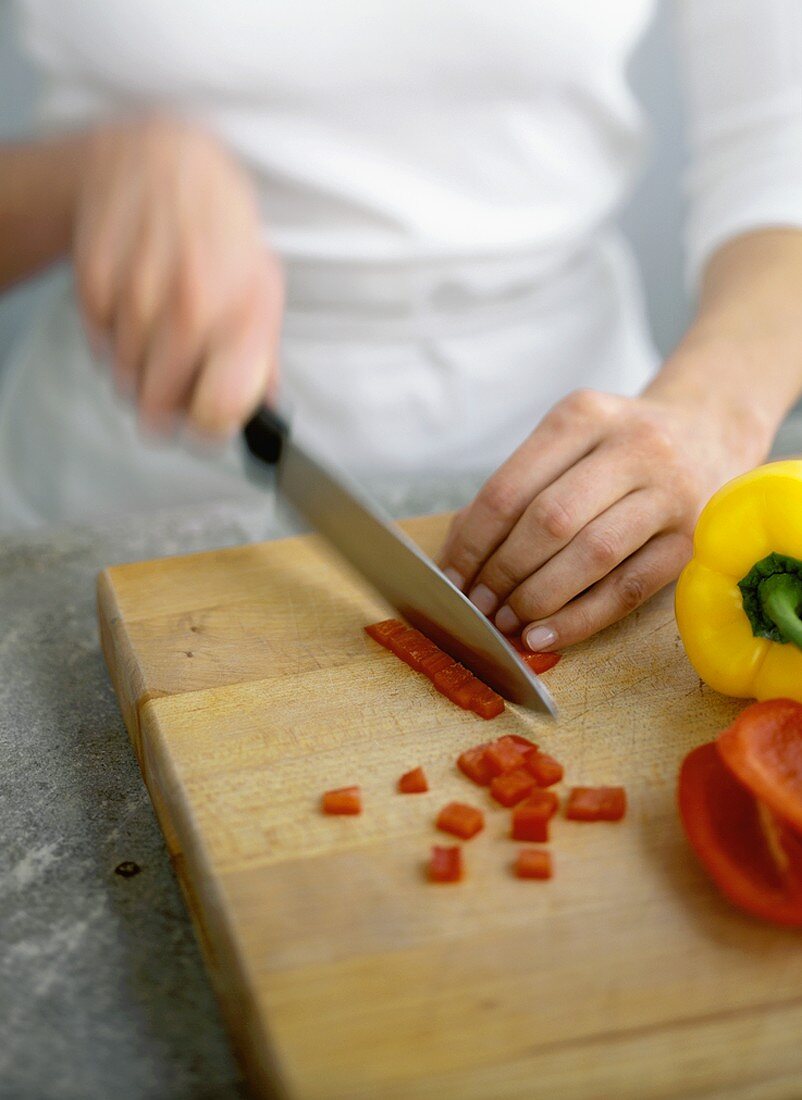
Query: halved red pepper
x,y
511,788
345,800
445,864
461,820
754,857
596,804
763,749
533,863
413,782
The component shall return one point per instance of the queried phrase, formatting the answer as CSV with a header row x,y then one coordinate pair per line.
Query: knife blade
x,y
390,561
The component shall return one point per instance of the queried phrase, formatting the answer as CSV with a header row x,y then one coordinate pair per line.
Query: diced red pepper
x,y
544,768
503,756
445,864
754,857
763,749
472,763
511,788
530,822
525,745
461,820
596,804
538,662
546,802
345,800
413,782
485,702
533,863
450,678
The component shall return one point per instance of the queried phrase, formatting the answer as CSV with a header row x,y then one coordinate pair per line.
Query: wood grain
x,y
248,687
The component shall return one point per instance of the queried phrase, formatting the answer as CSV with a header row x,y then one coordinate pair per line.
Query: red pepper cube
x,y
436,662
452,681
485,702
530,822
472,763
545,769
461,820
345,800
533,863
524,744
413,782
546,802
512,788
596,804
402,641
503,756
445,864
381,632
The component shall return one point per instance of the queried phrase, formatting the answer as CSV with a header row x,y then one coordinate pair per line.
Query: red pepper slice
x,y
413,782
596,804
453,680
345,800
544,768
472,763
512,788
503,756
763,749
445,864
461,820
530,821
754,858
533,863
538,662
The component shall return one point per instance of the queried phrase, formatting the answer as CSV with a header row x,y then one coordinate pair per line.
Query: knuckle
x,y
587,404
633,589
550,515
601,548
499,499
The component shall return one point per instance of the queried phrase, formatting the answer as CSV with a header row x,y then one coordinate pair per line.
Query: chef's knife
x,y
378,549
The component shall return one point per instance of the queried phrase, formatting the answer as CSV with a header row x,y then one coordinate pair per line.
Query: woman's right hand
x,y
175,282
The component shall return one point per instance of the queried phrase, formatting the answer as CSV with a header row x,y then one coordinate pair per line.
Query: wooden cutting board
x,y
248,687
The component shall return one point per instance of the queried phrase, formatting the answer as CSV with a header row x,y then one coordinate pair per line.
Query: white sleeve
x,y
742,68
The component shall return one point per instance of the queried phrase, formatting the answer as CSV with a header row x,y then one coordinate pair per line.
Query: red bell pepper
x,y
345,800
445,864
413,782
754,857
533,863
461,820
538,662
472,763
763,749
530,821
512,788
596,804
544,768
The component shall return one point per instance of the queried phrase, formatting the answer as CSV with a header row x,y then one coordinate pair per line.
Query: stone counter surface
x,y
103,992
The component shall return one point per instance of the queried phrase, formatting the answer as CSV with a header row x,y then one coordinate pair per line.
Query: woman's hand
x,y
594,512
174,279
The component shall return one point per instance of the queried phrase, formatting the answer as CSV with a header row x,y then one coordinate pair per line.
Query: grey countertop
x,y
102,988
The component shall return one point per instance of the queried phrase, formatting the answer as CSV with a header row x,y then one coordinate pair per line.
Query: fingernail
x,y
507,621
539,637
484,599
455,577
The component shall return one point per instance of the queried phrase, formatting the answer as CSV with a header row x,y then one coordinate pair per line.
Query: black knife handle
x,y
264,435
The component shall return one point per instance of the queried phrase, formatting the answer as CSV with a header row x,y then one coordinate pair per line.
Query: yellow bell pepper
x,y
739,600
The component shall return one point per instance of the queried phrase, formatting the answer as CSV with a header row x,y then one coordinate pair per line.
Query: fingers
x,y
625,588
554,518
240,364
569,432
596,550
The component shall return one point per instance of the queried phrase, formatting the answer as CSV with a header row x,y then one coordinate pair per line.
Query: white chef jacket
x,y
438,178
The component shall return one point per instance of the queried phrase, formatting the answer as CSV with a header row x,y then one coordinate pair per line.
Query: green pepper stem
x,y
781,599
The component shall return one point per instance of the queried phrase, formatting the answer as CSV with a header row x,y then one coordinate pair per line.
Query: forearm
x,y
743,352
38,184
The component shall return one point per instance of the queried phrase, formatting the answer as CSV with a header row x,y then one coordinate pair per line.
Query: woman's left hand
x,y
594,512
